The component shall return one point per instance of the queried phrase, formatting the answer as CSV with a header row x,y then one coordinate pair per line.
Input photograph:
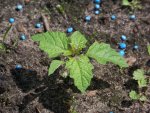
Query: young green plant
x,y
138,75
134,4
57,44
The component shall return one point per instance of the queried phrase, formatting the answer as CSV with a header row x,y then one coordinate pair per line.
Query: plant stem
x,y
6,33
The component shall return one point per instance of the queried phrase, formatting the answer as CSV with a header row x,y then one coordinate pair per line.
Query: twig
x,y
45,21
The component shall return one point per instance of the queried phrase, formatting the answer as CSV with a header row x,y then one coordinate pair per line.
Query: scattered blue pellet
x,y
122,45
113,17
132,17
37,25
135,47
111,112
97,1
11,20
70,30
97,12
97,6
87,18
22,37
19,7
18,67
123,37
121,52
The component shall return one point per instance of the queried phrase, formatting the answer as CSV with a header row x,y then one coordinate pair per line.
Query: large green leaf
x,y
54,65
78,41
53,43
81,71
103,53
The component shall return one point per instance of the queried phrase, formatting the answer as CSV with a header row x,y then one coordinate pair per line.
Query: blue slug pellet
x,y
70,30
18,67
37,25
123,37
11,20
122,45
19,7
113,17
87,18
22,37
121,52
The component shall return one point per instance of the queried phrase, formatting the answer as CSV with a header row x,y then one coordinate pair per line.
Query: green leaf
x,y
78,41
125,2
133,95
138,74
81,71
143,98
53,43
148,47
54,65
103,53
142,83
2,47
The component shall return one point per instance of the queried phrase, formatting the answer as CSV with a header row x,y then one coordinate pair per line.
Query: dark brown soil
x,y
30,90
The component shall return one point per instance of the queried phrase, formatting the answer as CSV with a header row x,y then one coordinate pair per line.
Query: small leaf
x,y
133,95
125,2
78,41
103,53
2,47
138,74
53,43
143,98
142,83
54,65
81,71
148,47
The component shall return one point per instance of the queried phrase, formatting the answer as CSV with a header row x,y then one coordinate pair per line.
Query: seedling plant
x,y
134,4
138,75
76,60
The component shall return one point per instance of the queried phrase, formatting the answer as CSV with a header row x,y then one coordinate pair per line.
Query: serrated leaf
x,y
148,47
103,53
143,98
78,41
133,95
53,43
138,74
125,2
54,65
81,71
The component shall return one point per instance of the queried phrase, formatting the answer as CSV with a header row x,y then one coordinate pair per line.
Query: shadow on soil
x,y
53,96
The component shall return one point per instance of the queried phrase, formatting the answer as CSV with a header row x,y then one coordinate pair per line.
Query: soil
x,y
31,90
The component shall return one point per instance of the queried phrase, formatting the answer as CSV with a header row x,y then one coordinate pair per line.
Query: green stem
x,y
6,33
